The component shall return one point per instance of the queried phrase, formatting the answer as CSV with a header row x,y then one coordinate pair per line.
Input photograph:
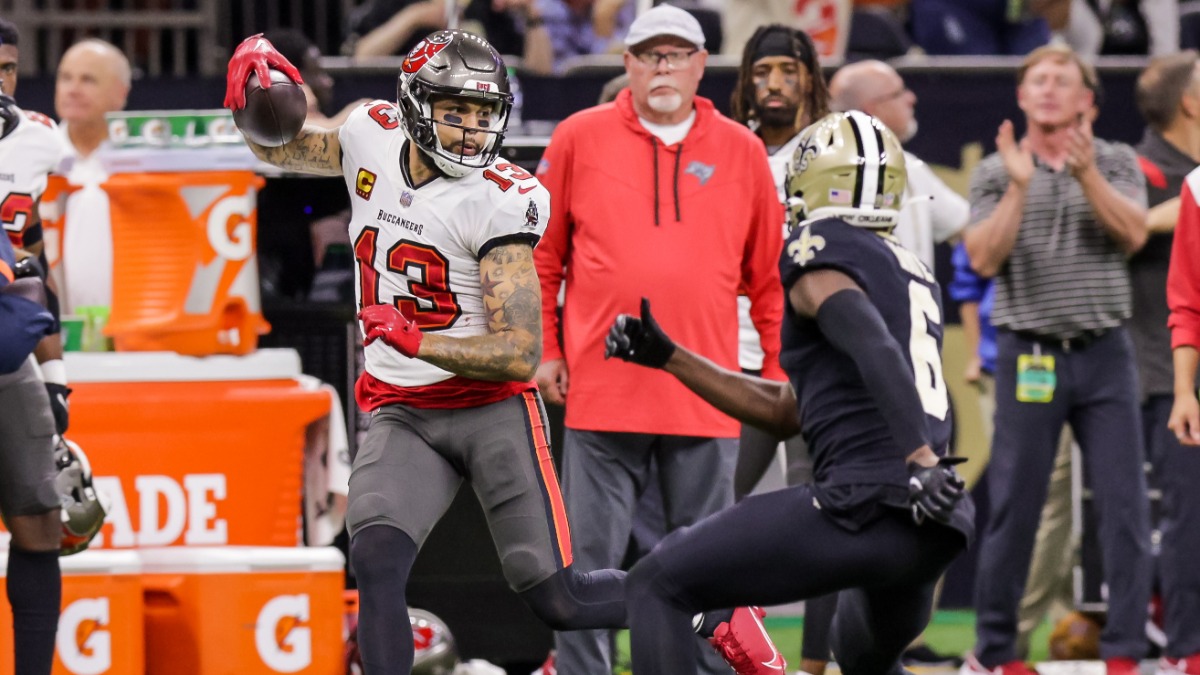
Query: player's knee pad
x,y
380,553
569,600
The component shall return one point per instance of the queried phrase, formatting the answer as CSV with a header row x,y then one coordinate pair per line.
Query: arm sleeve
x,y
854,326
554,171
760,266
1183,278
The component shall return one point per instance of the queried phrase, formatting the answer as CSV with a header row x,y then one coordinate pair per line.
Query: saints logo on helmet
x,y
454,63
847,165
82,512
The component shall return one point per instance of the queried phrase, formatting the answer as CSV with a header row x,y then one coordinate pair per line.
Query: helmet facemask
x,y
460,65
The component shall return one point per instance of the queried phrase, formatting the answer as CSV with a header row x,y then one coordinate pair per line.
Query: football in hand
x,y
272,116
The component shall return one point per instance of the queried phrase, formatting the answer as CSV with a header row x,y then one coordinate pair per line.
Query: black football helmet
x,y
453,63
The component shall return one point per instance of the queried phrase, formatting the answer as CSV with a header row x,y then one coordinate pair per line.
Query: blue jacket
x,y
23,323
967,286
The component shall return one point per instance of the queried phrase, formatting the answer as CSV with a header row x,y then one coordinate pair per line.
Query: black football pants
x,y
777,548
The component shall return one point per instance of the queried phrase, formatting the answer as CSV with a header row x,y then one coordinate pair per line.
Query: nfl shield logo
x,y
406,198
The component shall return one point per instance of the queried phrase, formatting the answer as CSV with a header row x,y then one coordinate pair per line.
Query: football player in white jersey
x,y
451,316
29,149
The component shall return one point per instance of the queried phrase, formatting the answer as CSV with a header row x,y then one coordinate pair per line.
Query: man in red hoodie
x,y
656,190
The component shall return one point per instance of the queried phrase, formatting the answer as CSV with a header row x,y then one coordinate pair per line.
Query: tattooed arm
x,y
512,297
315,150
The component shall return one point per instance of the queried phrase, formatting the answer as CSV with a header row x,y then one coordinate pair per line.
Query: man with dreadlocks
x,y
780,90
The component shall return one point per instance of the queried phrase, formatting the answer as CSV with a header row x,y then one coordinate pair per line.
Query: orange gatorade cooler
x,y
185,276
100,628
235,610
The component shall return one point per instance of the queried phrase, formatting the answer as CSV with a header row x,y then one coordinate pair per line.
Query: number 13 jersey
x,y
419,247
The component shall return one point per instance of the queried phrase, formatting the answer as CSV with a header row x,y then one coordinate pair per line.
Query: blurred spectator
x,y
93,80
827,22
1168,95
1124,27
932,213
1054,217
977,27
656,217
541,32
318,83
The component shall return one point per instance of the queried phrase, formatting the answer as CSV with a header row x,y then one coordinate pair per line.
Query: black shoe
x,y
923,655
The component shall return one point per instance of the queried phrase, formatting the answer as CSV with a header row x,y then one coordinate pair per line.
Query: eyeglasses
x,y
674,59
8,68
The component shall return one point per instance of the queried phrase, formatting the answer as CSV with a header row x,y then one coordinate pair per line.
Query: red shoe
x,y
1122,666
1188,665
744,644
971,666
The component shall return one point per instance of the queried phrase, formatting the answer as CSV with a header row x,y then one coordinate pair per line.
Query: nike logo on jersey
x,y
526,189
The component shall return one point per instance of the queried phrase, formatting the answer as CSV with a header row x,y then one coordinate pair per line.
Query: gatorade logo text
x,y
282,635
84,641
166,511
238,243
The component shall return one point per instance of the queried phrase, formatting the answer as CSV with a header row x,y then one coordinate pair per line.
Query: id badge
x,y
1035,378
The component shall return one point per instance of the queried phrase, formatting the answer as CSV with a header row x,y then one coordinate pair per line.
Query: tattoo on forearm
x,y
512,298
311,152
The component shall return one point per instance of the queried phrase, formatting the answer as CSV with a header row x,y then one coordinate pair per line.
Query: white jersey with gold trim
x,y
28,154
419,247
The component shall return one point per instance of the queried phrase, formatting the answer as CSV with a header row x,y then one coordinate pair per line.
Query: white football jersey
x,y
27,155
419,247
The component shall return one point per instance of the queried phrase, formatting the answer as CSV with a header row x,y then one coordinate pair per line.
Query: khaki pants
x,y
1048,588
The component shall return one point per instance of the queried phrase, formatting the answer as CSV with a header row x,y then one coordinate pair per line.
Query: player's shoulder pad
x,y
39,118
373,116
829,243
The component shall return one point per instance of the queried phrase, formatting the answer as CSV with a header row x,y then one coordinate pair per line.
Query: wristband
x,y
55,372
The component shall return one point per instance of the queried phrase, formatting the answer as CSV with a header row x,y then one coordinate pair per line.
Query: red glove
x,y
386,322
256,54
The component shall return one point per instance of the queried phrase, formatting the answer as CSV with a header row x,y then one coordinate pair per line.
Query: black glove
x,y
933,491
58,405
639,341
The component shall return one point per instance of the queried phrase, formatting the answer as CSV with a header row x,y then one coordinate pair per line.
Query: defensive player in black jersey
x,y
887,512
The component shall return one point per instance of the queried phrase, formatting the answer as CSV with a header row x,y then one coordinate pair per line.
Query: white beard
x,y
909,131
665,103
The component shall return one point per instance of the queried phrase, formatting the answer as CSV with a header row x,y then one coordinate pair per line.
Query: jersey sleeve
x,y
823,244
361,124
1183,277
519,217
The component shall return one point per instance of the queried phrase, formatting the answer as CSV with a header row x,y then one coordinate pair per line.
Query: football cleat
x,y
1122,666
745,645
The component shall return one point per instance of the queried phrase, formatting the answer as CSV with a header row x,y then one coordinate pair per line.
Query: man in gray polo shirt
x,y
1054,217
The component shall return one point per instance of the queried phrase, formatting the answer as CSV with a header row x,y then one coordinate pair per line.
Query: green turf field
x,y
950,632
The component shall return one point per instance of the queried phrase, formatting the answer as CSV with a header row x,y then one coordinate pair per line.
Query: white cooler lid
x,y
91,563
262,364
239,559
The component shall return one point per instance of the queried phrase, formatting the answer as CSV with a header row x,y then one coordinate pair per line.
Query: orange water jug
x,y
185,275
